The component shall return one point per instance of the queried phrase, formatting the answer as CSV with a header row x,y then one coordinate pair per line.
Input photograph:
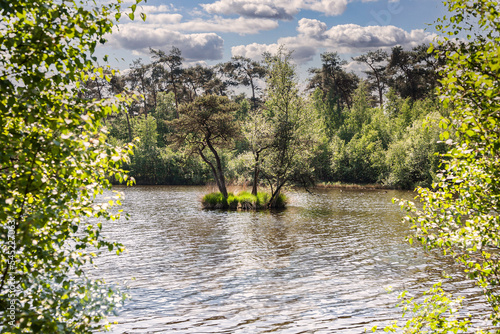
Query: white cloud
x,y
164,29
353,37
139,38
301,53
313,28
252,8
328,7
356,67
274,9
313,35
240,25
164,18
254,50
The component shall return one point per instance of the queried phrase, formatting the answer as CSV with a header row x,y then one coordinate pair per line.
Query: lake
x,y
321,266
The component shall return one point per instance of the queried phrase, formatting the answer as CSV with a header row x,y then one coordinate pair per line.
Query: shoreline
x,y
338,185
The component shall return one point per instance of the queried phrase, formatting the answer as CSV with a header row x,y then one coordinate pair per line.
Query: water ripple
x,y
321,266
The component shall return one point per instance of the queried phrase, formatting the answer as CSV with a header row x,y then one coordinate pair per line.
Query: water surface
x,y
321,266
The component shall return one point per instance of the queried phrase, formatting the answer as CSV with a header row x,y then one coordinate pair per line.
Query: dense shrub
x,y
412,160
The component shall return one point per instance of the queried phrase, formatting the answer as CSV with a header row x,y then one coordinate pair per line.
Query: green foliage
x,y
377,73
146,162
165,111
413,160
378,146
358,150
259,134
321,160
280,202
341,105
243,110
239,168
364,157
162,165
246,72
117,127
153,161
412,72
357,116
328,110
144,127
395,105
461,216
54,163
263,198
249,201
437,313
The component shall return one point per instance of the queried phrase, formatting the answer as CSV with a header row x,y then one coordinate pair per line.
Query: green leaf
x,y
54,151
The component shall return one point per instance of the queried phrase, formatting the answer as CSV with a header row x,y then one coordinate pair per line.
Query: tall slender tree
x,y
377,75
173,71
140,80
292,125
246,71
333,80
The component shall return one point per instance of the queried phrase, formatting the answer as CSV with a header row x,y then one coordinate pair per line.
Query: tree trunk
x,y
380,93
145,94
129,128
253,94
214,171
172,79
155,97
256,171
98,88
220,172
274,196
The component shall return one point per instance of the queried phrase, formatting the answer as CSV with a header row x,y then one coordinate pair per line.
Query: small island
x,y
280,137
244,201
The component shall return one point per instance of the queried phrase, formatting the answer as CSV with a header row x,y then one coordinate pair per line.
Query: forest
x,y
382,128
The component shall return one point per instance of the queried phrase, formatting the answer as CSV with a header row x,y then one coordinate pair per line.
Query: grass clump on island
x,y
242,201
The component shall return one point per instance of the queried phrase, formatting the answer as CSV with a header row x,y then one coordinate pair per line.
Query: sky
x,y
212,31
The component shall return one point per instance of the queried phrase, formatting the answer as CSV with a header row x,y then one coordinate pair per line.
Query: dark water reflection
x,y
321,266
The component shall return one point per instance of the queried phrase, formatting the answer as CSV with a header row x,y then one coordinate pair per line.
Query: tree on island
x,y
293,128
203,127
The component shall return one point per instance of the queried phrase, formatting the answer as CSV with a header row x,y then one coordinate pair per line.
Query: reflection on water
x,y
321,266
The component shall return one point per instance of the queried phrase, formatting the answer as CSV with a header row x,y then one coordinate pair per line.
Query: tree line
x,y
365,130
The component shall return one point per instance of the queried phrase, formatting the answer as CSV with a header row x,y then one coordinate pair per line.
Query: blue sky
x,y
211,31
